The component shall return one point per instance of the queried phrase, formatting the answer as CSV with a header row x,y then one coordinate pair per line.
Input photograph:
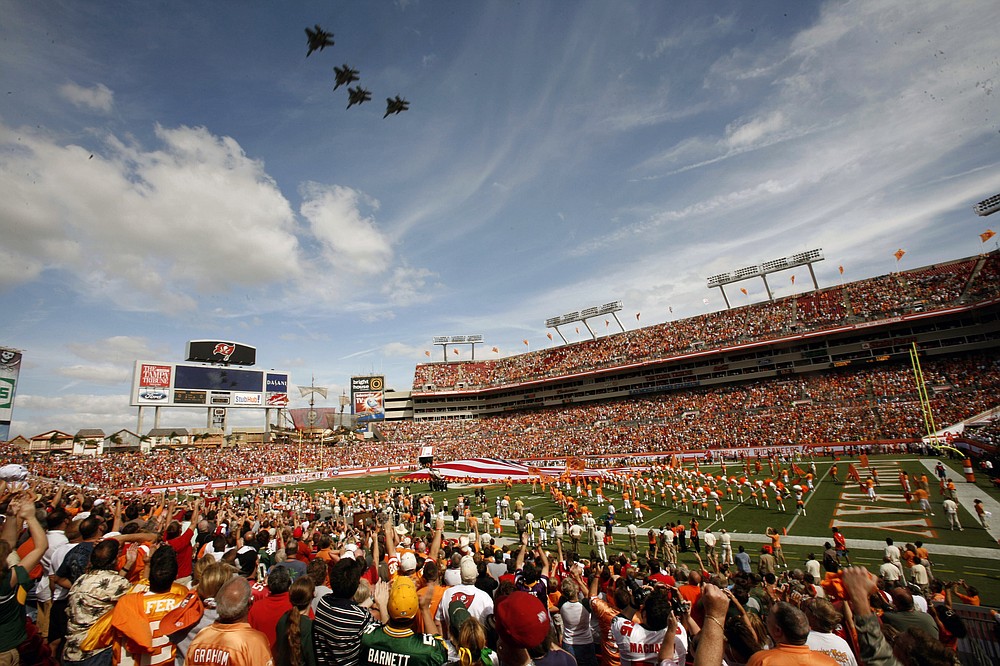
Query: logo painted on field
x,y
890,513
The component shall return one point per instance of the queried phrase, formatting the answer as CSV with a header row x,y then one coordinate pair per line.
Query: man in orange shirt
x,y
230,641
136,617
789,629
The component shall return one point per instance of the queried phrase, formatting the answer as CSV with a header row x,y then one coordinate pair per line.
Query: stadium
x,y
796,416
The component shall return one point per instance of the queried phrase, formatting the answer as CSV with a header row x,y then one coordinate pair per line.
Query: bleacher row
x,y
865,403
921,290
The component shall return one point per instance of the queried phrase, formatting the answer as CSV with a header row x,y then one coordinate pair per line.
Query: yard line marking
x,y
808,499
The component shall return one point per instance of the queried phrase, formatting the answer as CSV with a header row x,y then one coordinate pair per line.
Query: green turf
x,y
820,508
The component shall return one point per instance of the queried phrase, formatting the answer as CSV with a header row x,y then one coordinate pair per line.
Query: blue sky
x,y
555,156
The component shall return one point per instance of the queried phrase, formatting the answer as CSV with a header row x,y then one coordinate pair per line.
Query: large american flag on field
x,y
486,469
494,469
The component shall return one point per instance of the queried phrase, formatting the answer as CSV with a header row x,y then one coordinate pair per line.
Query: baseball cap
x,y
457,615
408,562
521,620
468,570
403,603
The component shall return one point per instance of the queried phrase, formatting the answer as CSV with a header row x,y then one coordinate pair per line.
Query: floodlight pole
x,y
812,274
561,335
590,330
770,296
725,298
618,321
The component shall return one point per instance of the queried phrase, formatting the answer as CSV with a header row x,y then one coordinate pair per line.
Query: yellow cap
x,y
403,601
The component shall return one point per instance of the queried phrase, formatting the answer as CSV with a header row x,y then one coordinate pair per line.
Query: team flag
x,y
899,253
427,353
575,463
455,351
793,279
864,460
607,322
986,235
637,316
548,335
852,473
744,290
525,341
841,270
496,350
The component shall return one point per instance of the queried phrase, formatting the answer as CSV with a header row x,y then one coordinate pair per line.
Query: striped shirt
x,y
337,630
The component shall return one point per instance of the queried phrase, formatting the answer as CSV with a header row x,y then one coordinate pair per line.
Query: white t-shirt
x,y
478,603
813,568
576,623
709,538
637,645
833,646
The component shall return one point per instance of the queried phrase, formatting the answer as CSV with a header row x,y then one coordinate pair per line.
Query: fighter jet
x,y
395,105
358,95
319,39
345,76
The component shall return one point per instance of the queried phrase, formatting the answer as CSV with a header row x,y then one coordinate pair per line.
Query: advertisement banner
x,y
165,384
368,398
10,367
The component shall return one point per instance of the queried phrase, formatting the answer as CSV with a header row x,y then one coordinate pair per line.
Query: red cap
x,y
522,620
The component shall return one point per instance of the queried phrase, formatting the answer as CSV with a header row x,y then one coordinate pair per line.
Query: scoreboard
x,y
193,385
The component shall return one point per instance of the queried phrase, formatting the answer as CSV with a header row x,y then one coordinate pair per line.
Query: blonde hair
x,y
470,641
363,593
212,577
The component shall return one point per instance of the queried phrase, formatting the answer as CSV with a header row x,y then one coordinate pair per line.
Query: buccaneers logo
x,y
224,349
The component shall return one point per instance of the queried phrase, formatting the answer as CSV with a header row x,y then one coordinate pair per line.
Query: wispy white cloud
x,y
95,98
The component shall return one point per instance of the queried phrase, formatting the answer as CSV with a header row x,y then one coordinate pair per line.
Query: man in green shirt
x,y
395,643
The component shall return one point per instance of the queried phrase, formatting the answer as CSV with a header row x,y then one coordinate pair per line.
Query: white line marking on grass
x,y
808,499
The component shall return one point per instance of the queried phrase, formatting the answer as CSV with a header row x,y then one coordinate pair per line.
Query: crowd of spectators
x,y
289,578
920,290
876,402
870,403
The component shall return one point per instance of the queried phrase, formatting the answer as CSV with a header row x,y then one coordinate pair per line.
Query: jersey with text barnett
x,y
384,646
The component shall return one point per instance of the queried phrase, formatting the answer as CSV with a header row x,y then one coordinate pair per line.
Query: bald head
x,y
694,578
232,601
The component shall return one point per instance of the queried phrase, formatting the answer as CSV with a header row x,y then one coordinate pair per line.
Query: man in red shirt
x,y
182,543
265,613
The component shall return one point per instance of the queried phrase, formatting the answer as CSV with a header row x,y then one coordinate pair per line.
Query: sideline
x,y
966,493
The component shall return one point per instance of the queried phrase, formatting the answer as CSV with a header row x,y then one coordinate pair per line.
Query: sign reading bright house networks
x,y
368,398
190,385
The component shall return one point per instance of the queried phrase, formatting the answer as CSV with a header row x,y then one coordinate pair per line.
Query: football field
x,y
971,554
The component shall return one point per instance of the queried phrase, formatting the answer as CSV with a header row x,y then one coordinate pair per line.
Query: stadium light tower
x,y
807,259
987,206
582,316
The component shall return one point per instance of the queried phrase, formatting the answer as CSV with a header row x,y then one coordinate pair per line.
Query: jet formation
x,y
319,39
